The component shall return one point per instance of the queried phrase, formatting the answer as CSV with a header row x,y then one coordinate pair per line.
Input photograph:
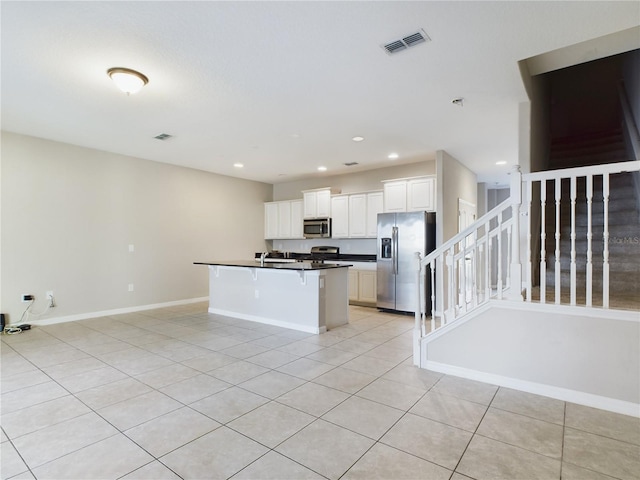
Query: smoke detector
x,y
410,40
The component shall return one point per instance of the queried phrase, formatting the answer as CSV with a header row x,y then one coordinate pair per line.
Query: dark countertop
x,y
342,257
275,265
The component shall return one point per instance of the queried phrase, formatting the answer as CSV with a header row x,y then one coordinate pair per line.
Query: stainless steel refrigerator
x,y
400,235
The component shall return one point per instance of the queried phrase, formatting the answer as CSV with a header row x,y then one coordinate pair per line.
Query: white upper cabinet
x,y
271,220
317,203
358,215
355,215
395,196
283,219
297,219
410,194
375,205
421,194
340,216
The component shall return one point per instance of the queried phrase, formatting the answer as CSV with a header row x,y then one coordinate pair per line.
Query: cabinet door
x,y
323,203
340,218
357,215
395,196
421,194
353,284
310,204
375,205
270,220
367,288
284,219
296,219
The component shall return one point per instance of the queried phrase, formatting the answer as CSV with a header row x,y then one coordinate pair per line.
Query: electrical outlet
x,y
27,298
257,294
50,299
131,287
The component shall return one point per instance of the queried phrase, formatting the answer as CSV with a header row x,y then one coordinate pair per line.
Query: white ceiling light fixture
x,y
357,138
238,165
127,80
322,169
393,156
501,162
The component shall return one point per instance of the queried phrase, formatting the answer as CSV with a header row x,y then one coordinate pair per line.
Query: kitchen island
x,y
310,297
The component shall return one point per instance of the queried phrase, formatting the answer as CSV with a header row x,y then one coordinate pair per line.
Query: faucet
x,y
263,255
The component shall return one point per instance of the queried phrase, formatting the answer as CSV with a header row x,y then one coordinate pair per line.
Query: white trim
x,y
564,394
116,311
580,311
268,321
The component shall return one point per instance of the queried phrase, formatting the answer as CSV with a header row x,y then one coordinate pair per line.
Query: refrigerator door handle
x,y
394,240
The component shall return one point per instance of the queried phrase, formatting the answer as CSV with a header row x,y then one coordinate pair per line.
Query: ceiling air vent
x,y
407,41
350,164
162,136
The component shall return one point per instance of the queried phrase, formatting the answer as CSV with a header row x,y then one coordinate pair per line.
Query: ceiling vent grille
x,y
162,136
407,41
350,164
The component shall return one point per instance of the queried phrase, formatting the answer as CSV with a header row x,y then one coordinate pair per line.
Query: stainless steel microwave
x,y
317,228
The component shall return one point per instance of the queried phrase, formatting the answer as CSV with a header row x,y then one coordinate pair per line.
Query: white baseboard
x,y
116,311
564,394
269,321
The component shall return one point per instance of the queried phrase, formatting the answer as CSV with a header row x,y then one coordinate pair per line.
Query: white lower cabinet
x,y
367,286
362,286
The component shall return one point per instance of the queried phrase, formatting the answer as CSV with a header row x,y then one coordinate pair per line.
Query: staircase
x,y
623,220
547,304
595,148
623,243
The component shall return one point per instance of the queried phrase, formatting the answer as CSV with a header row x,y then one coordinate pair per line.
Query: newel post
x,y
417,328
515,269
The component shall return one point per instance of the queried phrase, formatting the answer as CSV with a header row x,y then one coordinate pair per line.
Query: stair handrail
x,y
610,168
455,256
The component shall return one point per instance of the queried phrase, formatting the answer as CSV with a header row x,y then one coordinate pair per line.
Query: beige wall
x,y
454,181
353,182
69,215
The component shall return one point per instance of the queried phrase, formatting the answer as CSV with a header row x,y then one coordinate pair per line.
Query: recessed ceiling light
x,y
238,165
393,156
357,138
322,169
501,162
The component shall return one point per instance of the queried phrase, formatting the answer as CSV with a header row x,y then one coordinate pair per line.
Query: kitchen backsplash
x,y
346,245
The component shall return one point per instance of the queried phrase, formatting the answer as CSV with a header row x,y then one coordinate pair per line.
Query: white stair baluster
x,y
558,184
543,242
589,269
573,240
499,235
605,238
529,281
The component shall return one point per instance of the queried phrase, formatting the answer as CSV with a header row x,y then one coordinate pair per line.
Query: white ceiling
x,y
282,87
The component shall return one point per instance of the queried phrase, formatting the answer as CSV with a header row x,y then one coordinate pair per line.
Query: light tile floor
x,y
179,393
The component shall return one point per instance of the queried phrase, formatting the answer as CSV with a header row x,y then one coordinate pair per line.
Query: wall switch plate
x,y
131,287
132,248
257,294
